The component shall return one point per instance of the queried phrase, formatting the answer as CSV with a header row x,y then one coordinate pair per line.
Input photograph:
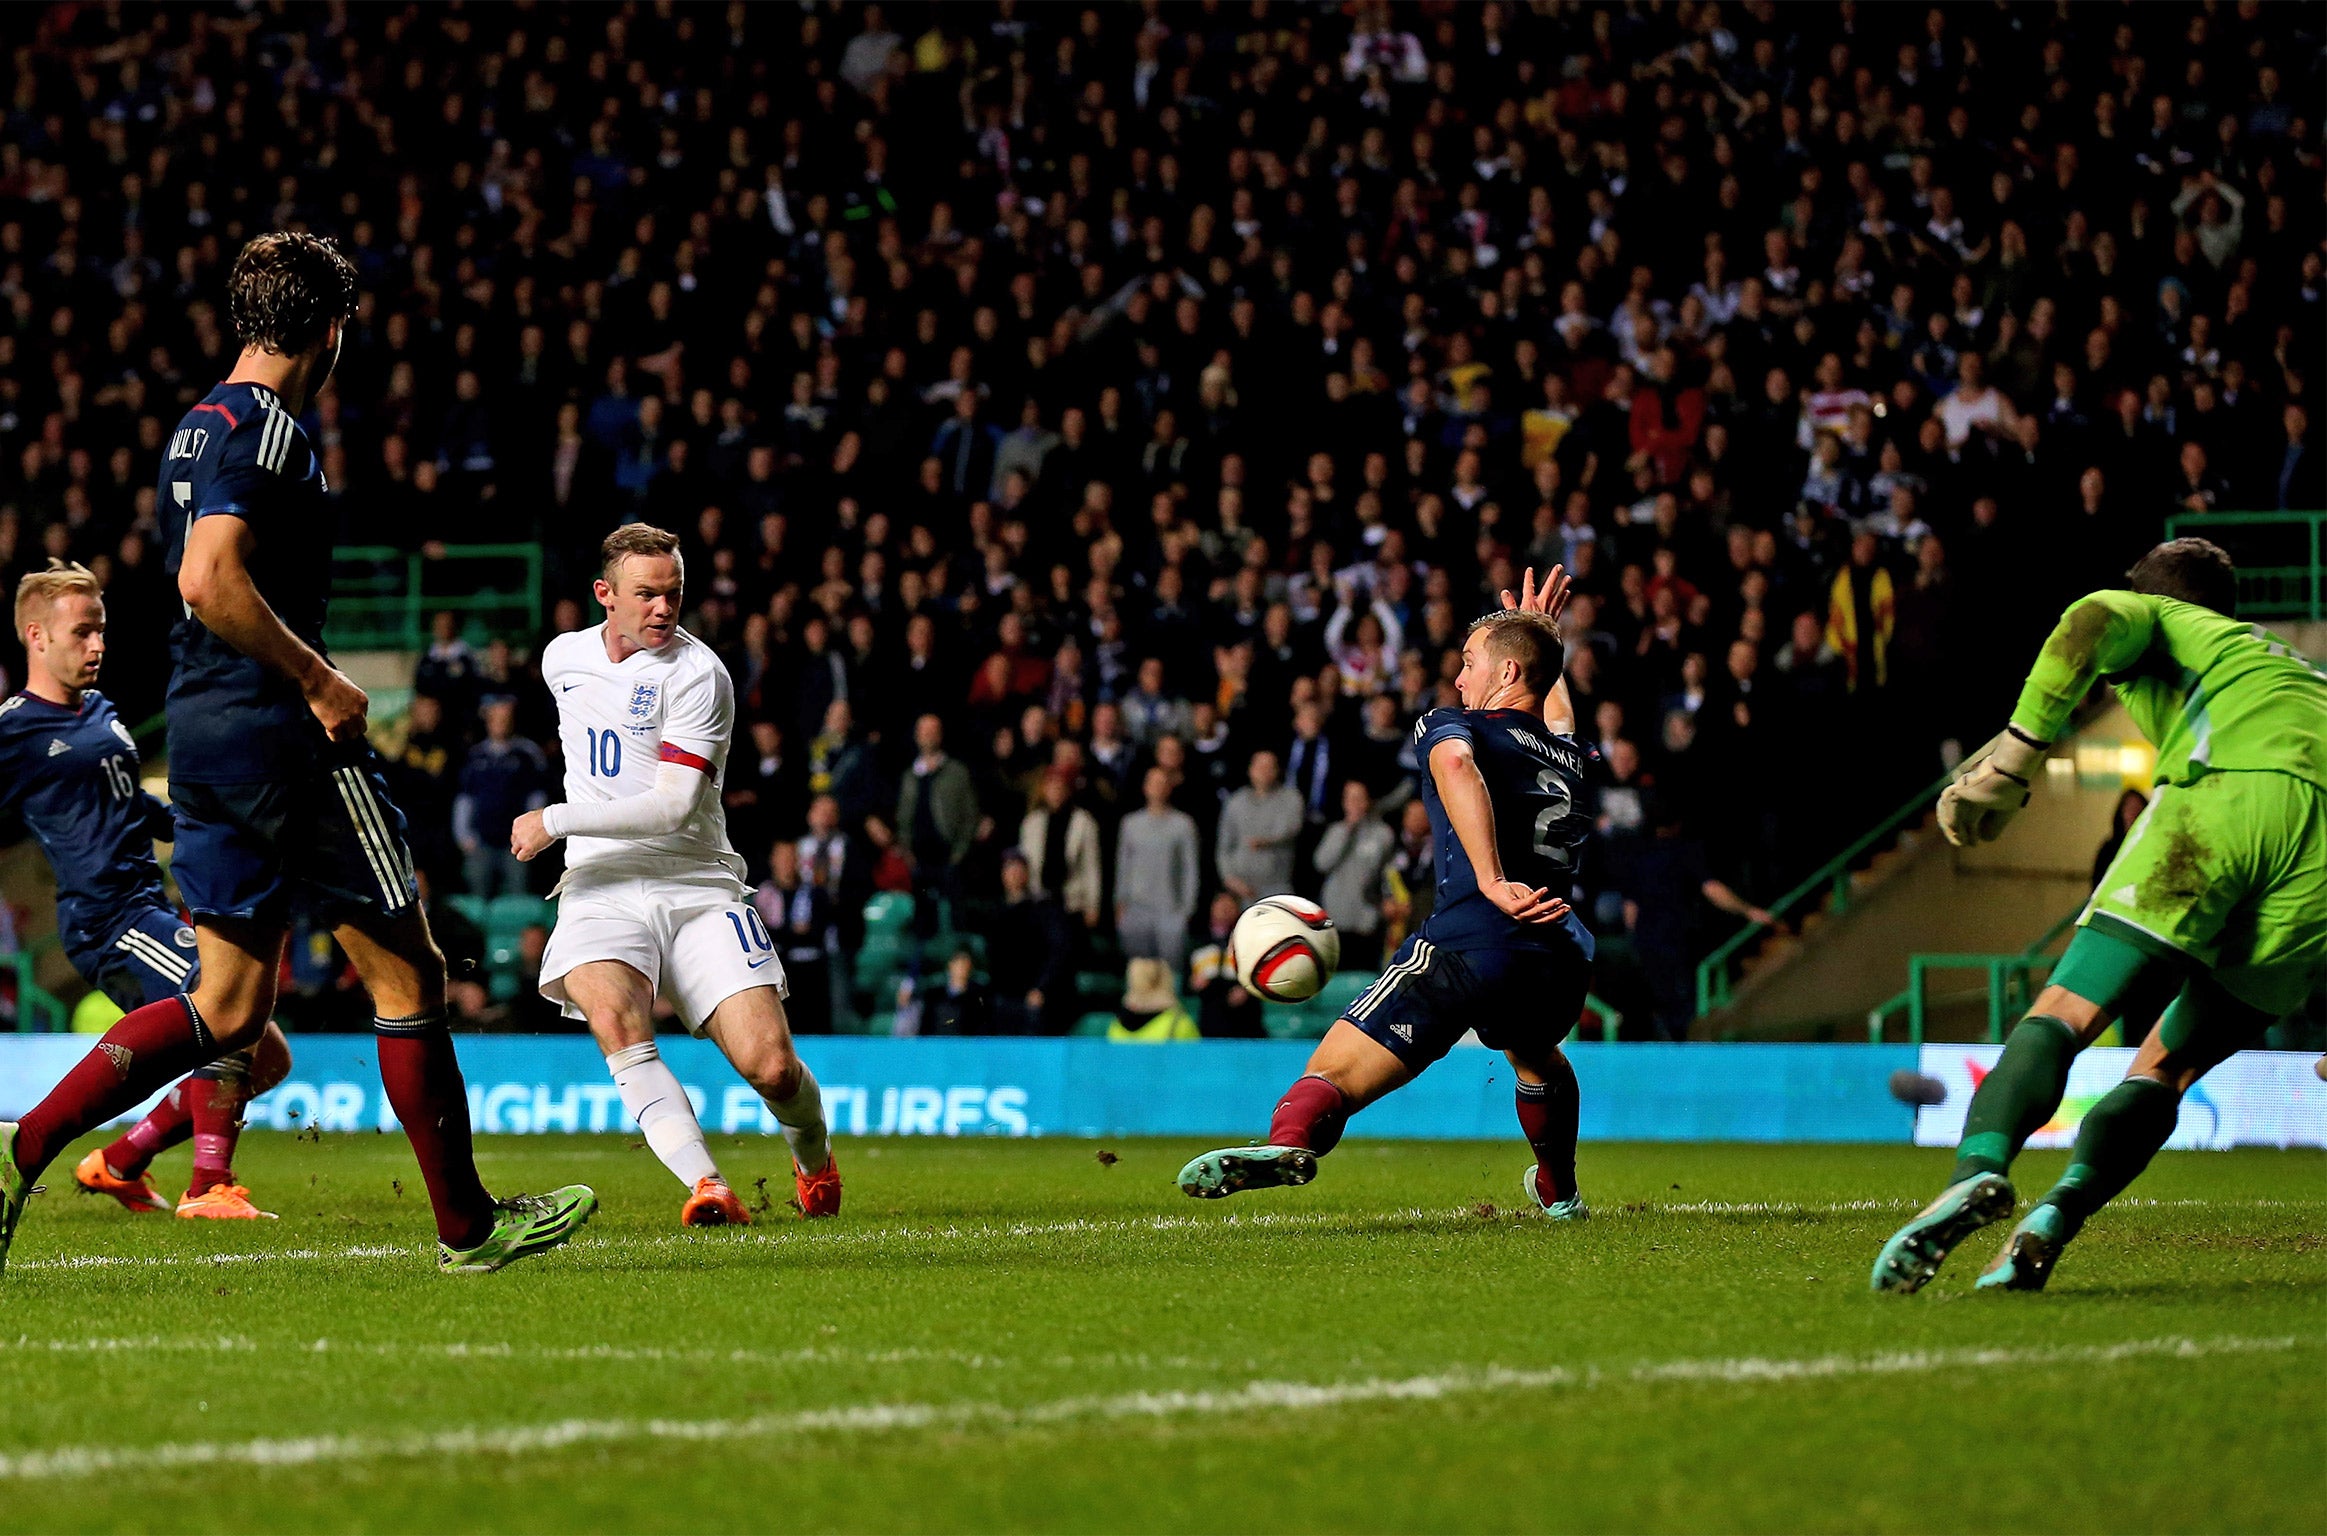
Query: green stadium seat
x,y
888,913
1340,990
514,912
470,907
1099,989
1093,1026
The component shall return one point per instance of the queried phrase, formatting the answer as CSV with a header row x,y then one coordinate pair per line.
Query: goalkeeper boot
x,y
2026,1260
1912,1257
92,1177
523,1225
15,1190
1232,1170
713,1204
1570,1209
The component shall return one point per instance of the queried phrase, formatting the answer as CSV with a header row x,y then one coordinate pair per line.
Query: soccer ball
x,y
1284,948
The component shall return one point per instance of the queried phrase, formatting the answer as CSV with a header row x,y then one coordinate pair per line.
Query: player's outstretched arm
x,y
655,812
214,580
1462,789
2103,633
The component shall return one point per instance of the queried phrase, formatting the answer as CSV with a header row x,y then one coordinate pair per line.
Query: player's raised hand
x,y
339,705
1550,599
529,835
1525,903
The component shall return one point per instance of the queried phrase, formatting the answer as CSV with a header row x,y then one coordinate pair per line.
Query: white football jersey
x,y
619,722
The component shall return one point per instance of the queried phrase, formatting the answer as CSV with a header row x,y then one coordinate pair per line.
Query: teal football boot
x,y
1231,1170
1912,1257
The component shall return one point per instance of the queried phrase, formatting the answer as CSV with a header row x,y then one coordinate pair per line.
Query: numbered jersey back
x,y
1535,782
619,722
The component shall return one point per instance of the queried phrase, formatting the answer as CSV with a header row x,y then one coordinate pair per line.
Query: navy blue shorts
x,y
1521,1000
327,837
152,959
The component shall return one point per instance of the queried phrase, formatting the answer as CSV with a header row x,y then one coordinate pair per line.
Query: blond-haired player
x,y
653,898
69,768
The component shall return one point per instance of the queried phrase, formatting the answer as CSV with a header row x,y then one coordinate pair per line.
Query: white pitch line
x,y
66,1461
586,1354
824,1235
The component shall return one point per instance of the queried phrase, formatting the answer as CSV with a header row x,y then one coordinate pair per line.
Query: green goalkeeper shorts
x,y
2228,871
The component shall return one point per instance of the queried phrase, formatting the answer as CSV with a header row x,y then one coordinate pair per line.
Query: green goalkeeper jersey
x,y
2212,693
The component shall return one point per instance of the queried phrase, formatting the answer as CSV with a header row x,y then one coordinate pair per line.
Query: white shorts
x,y
697,942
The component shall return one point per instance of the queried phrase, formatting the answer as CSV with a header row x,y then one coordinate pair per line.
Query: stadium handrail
x,y
1713,978
2261,587
388,608
2008,976
37,1008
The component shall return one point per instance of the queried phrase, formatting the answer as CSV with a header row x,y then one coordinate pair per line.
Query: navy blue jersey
x,y
240,454
1535,782
71,775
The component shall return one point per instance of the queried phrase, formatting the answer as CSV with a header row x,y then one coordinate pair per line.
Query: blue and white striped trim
x,y
391,862
156,956
275,440
1392,979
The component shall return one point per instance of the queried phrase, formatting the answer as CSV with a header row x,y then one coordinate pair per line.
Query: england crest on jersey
x,y
642,697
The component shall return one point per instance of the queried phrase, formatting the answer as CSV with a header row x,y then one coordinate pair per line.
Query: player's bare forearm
x,y
216,584
1559,709
1462,789
2103,633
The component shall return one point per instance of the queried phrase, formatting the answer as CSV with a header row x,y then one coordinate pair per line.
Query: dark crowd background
x,y
1165,387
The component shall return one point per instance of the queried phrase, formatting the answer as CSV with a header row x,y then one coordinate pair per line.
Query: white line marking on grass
x,y
618,1354
824,1235
875,1418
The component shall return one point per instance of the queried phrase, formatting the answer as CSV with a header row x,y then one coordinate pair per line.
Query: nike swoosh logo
x,y
568,687
756,964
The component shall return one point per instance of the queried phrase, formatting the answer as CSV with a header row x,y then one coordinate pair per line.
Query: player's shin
x,y
1312,1114
422,1076
1548,1114
146,1049
165,1125
802,1117
2017,1097
2130,1125
215,1097
656,1099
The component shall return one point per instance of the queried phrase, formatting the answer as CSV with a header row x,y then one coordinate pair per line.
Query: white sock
x,y
802,1117
655,1099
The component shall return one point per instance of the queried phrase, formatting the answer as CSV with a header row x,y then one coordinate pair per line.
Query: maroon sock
x,y
423,1079
164,1126
1311,1114
216,1095
145,1050
1547,1118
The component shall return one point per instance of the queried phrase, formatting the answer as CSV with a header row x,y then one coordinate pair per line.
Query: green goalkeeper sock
x,y
2119,1137
2017,1097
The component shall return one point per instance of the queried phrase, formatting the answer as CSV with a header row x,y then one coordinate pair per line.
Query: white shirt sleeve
x,y
700,719
655,812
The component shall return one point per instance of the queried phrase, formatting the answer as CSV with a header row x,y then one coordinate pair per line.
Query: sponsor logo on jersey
x,y
58,746
642,697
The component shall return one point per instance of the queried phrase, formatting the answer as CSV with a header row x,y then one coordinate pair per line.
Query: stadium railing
x,y
2011,984
38,1010
1716,973
382,597
2280,573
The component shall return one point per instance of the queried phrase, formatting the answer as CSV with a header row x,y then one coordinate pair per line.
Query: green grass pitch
x,y
1036,1335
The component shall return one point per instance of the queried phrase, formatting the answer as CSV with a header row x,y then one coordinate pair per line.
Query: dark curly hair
x,y
286,289
2194,570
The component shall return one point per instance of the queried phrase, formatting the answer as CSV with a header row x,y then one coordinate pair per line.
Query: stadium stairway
x,y
1923,896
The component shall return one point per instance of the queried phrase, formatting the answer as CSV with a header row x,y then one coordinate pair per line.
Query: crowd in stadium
x,y
1091,429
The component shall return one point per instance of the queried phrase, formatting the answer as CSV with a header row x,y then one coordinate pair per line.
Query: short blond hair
x,y
39,591
636,539
1530,639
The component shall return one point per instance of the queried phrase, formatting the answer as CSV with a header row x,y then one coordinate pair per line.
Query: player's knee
x,y
236,1024
773,1068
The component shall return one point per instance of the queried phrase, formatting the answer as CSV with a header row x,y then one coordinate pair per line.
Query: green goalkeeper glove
x,y
1990,788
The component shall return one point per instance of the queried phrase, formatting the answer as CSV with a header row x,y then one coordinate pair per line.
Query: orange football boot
x,y
819,1192
713,1204
138,1194
222,1202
